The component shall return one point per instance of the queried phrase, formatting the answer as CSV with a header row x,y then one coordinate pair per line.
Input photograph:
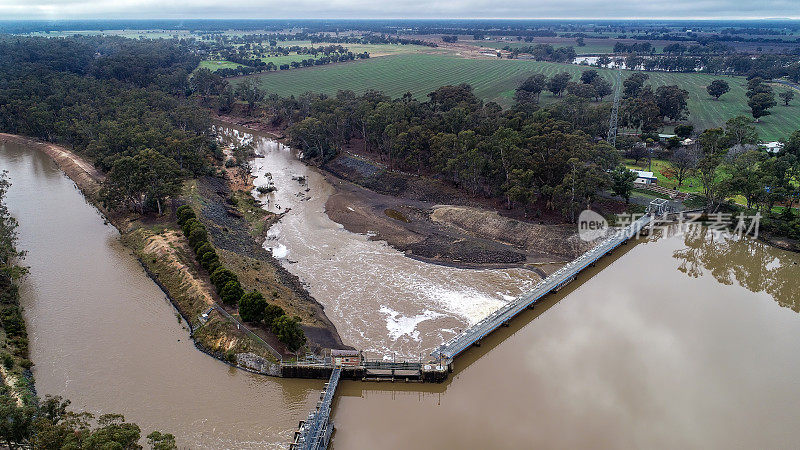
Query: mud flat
x,y
433,222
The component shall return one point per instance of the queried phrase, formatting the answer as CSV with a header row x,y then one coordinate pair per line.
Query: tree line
x,y
524,156
253,306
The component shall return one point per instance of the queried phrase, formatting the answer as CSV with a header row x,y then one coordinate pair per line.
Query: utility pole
x,y
612,126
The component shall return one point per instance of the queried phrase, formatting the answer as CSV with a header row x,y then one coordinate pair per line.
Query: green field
x,y
496,79
213,65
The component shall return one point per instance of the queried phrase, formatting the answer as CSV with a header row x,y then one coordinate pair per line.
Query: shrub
x,y
231,293
208,259
187,226
184,213
12,320
197,237
251,307
205,248
272,312
288,331
8,361
221,276
213,266
265,189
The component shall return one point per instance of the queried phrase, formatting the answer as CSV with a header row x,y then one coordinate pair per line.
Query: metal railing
x,y
316,431
555,281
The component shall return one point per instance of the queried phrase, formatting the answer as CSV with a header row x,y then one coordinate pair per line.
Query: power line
x,y
612,126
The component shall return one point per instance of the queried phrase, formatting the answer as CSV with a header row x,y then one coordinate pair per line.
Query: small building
x,y
663,137
346,358
773,147
643,177
687,142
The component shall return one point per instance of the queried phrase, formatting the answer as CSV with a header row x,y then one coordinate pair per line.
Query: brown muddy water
x,y
678,342
382,302
103,334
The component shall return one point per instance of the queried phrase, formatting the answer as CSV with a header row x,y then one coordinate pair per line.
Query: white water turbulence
x,y
382,302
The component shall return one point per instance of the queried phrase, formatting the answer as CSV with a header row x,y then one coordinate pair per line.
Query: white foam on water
x,y
279,251
399,325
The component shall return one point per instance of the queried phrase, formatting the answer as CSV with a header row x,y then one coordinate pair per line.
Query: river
x,y
676,342
381,302
104,336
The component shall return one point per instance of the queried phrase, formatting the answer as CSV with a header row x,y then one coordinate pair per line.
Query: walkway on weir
x,y
315,432
449,350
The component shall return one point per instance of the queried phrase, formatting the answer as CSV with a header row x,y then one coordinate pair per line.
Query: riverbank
x,y
431,221
437,223
166,257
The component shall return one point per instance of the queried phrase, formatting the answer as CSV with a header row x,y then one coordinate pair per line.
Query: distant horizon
x,y
251,19
400,10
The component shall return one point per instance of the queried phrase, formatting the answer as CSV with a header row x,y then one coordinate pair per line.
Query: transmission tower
x,y
612,126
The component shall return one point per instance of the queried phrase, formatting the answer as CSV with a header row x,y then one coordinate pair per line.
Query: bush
x,y
288,331
197,237
252,306
265,189
187,226
205,248
272,312
231,293
8,361
12,320
208,259
221,276
184,213
213,266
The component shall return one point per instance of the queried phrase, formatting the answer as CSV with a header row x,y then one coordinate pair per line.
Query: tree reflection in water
x,y
745,261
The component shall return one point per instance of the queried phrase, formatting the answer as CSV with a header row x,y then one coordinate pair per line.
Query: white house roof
x,y
643,174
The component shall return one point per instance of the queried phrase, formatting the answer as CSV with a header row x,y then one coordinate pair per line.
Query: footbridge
x,y
315,432
558,279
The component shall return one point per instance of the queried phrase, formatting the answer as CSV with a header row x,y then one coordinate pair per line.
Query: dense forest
x,y
117,101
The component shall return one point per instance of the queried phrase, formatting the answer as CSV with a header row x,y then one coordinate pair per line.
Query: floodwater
x,y
685,341
103,335
678,343
381,302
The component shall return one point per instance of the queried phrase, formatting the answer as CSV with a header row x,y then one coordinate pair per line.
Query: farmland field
x,y
213,65
496,79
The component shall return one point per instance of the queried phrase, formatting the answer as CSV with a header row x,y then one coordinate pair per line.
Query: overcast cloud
x,y
280,9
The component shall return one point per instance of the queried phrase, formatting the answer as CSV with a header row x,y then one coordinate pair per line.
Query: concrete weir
x,y
315,432
445,353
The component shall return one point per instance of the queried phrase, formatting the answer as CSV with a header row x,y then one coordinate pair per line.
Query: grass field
x,y
213,65
496,79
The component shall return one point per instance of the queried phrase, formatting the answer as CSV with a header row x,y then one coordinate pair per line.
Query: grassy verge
x,y
170,262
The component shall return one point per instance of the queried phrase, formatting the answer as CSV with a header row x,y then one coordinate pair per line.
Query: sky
x,y
409,9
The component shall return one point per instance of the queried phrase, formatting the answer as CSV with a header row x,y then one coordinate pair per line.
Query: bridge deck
x,y
315,432
555,281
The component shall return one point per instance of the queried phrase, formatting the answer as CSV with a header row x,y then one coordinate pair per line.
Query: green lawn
x,y
496,79
663,171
